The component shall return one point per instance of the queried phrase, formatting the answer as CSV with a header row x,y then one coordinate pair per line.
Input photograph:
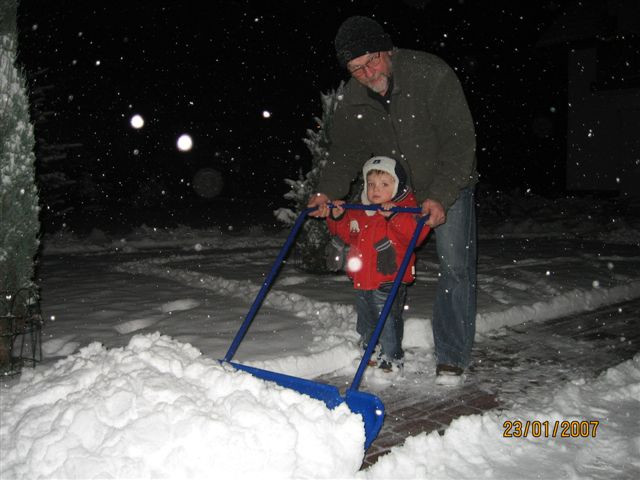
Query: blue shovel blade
x,y
369,406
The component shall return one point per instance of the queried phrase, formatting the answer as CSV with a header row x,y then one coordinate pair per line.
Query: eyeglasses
x,y
373,61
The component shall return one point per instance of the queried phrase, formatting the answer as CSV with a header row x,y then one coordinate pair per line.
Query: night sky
x,y
211,71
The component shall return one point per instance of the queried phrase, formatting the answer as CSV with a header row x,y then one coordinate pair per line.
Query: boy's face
x,y
380,187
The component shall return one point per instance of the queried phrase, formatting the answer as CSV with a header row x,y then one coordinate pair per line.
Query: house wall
x,y
603,134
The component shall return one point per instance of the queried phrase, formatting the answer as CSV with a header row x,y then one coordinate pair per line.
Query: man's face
x,y
380,187
372,70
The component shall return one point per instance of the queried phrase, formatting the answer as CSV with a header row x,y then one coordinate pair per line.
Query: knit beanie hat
x,y
358,36
394,169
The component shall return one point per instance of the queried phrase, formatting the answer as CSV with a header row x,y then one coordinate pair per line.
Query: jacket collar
x,y
385,99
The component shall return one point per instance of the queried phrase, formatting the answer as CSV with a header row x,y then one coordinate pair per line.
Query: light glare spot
x,y
137,121
354,264
185,143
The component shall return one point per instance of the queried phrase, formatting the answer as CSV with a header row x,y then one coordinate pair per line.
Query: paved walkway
x,y
511,362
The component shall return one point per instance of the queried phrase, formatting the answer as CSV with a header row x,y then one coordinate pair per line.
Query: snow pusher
x,y
369,406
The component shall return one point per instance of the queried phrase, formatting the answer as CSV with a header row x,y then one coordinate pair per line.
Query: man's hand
x,y
319,200
436,213
338,210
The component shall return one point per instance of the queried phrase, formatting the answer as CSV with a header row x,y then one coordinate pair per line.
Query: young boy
x,y
378,241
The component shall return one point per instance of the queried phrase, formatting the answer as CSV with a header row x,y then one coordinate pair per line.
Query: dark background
x,y
211,70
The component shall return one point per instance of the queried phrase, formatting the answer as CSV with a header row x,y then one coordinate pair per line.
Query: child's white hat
x,y
393,168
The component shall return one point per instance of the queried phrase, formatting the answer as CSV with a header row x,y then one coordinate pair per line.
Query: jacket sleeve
x,y
456,160
345,157
401,228
340,227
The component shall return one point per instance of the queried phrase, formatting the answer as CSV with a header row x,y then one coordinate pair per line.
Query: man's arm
x,y
456,159
346,154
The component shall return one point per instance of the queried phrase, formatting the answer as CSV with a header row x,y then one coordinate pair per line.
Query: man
x,y
409,105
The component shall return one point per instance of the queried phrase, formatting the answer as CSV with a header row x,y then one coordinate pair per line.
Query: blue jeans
x,y
454,312
369,305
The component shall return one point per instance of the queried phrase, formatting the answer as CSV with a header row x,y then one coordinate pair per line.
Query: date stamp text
x,y
550,429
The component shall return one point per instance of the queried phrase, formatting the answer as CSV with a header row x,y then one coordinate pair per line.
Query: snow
x,y
475,447
131,387
158,409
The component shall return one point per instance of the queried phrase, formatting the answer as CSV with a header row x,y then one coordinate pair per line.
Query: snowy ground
x,y
148,400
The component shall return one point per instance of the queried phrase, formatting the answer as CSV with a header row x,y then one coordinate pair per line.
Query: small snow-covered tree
x,y
311,243
19,224
55,185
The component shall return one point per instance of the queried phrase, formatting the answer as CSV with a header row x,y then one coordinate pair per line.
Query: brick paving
x,y
426,415
509,363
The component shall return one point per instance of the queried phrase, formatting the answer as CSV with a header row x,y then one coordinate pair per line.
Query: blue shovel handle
x,y
387,305
357,379
266,285
359,206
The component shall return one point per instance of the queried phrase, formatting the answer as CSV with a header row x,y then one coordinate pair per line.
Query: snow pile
x,y
476,446
157,409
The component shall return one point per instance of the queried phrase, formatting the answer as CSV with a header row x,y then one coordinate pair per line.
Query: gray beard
x,y
381,86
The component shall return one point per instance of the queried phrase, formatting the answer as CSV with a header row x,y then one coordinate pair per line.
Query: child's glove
x,y
335,254
386,263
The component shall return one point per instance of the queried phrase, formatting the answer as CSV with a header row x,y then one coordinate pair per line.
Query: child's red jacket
x,y
362,231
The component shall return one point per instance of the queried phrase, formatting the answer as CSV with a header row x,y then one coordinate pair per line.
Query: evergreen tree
x,y
19,224
56,187
310,247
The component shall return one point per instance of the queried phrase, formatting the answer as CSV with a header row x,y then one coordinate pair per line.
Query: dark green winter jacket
x,y
429,129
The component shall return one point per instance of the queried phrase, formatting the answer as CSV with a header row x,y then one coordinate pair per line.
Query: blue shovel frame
x,y
368,405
